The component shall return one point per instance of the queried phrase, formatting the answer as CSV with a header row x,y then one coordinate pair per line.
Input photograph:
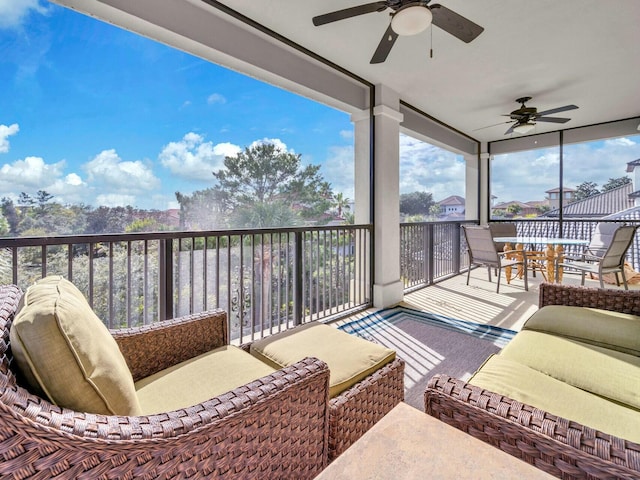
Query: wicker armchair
x,y
275,427
559,446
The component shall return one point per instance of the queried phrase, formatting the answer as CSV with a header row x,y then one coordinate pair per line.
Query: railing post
x,y
165,271
297,279
431,254
456,248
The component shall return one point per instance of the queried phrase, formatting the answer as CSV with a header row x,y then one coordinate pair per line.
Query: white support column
x,y
388,289
362,148
472,171
362,158
485,189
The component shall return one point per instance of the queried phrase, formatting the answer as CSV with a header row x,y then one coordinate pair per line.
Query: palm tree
x,y
341,203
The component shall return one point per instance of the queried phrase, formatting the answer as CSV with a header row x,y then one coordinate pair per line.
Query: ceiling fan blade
x,y
489,126
349,12
557,110
552,119
455,24
384,47
510,130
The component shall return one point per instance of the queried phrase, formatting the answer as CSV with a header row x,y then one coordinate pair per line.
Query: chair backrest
x,y
620,243
502,229
602,237
482,248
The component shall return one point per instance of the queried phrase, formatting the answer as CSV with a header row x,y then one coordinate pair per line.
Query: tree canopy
x,y
261,186
416,203
615,183
585,190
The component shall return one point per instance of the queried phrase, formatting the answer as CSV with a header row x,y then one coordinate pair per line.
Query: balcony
x,y
268,280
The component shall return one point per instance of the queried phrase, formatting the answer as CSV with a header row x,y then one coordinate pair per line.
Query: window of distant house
x,y
432,182
108,131
525,184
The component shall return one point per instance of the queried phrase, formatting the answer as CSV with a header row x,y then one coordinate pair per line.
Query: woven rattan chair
x,y
483,251
274,427
559,446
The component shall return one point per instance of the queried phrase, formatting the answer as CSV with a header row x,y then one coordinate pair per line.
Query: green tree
x,y
340,203
264,185
4,226
615,183
416,203
10,214
585,190
265,174
203,209
42,197
514,209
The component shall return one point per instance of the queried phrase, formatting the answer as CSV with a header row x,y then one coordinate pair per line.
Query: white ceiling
x,y
582,52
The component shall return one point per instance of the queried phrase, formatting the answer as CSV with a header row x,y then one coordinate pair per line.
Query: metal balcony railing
x,y
267,280
433,251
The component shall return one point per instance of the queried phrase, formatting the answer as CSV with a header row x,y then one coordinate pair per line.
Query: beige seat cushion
x,y
613,330
199,379
350,359
63,349
526,385
607,373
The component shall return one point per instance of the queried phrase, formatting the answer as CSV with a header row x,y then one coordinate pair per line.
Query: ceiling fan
x,y
408,17
524,118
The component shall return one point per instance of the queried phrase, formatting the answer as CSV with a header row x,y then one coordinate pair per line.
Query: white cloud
x,y
32,172
427,168
194,159
527,175
226,149
115,200
339,170
216,98
346,134
279,144
108,170
6,132
13,12
622,142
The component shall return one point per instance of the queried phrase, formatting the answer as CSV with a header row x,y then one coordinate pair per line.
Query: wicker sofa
x,y
274,427
560,446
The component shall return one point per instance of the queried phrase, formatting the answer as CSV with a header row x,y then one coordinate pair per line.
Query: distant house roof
x,y
557,190
599,205
505,205
452,200
632,164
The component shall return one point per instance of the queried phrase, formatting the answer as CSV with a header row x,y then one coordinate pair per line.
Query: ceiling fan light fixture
x,y
411,19
524,127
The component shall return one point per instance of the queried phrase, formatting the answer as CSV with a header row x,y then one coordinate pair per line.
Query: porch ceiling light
x,y
524,127
411,19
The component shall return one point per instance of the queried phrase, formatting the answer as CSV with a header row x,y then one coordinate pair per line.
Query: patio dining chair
x,y
483,251
599,260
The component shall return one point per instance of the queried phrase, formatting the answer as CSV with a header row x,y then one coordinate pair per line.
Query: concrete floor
x,y
478,302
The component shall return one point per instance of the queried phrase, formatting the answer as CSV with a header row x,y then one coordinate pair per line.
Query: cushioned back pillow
x,y
63,349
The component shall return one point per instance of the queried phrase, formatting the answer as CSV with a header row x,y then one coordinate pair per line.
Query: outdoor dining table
x,y
554,251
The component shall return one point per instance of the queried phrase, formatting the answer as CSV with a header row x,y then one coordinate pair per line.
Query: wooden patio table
x,y
553,252
409,444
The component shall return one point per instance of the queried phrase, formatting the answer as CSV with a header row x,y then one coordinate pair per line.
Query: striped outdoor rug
x,y
430,344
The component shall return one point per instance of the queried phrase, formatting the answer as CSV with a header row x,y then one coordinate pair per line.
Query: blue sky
x,y
96,114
